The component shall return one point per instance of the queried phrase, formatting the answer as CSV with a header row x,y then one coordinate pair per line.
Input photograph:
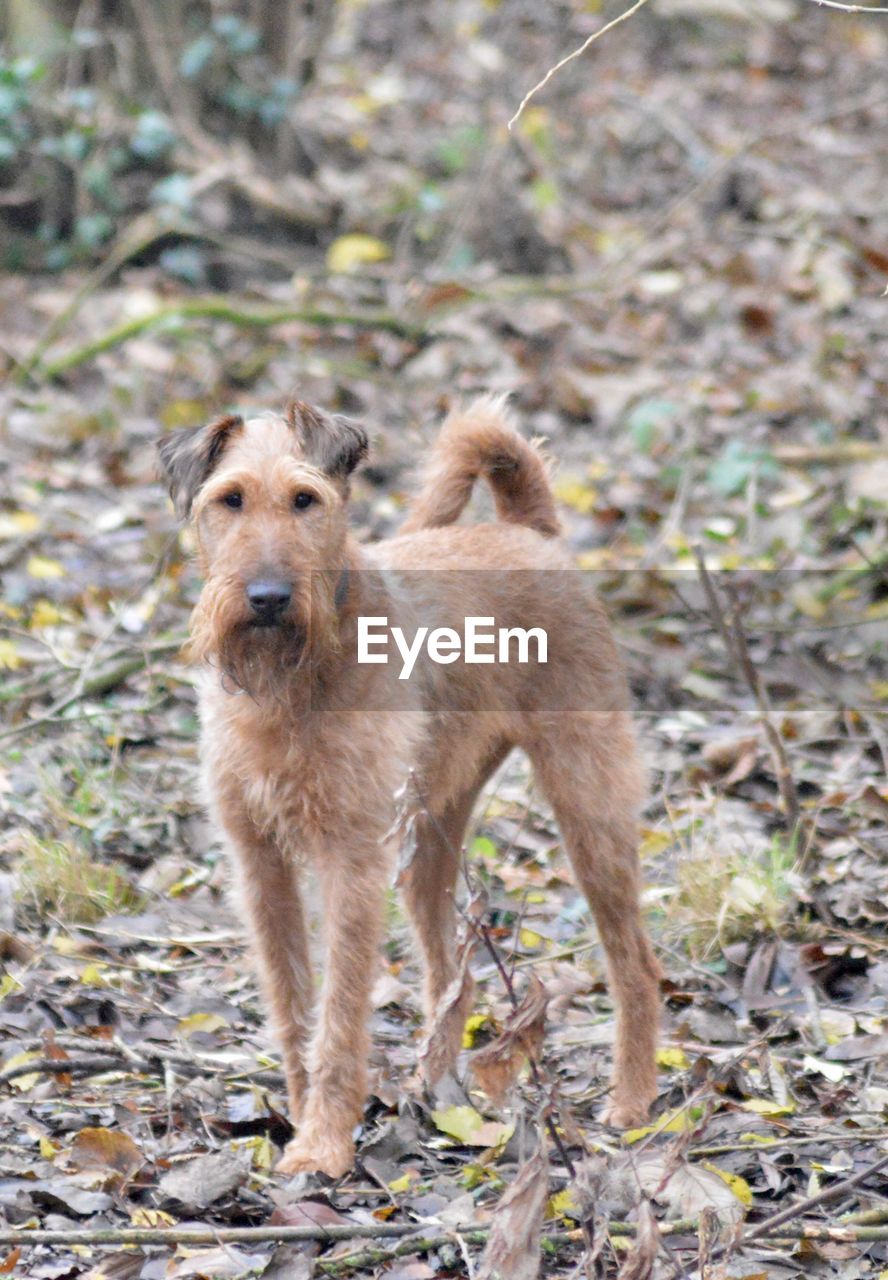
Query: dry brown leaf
x,y
498,1063
639,1261
512,1251
108,1150
199,1182
439,1049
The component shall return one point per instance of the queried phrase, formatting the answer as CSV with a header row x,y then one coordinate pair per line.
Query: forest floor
x,y
676,268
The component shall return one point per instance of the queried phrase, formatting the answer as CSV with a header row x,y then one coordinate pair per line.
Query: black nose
x,y
268,600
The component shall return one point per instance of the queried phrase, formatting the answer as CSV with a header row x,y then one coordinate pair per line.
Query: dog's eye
x,y
303,500
234,500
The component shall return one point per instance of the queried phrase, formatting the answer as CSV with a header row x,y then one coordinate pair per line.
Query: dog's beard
x,y
263,661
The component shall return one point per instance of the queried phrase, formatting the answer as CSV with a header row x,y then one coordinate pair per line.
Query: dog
x,y
304,747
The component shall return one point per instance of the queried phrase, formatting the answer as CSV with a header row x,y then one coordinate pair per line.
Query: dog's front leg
x,y
269,893
353,888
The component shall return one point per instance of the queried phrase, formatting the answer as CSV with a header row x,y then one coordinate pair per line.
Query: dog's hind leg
x,y
588,768
429,881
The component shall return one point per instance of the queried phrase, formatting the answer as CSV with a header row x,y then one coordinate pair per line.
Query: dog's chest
x,y
308,780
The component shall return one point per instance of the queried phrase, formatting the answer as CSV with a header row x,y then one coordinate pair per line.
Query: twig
x,y
836,1191
849,8
553,71
117,1236
101,681
222,308
118,1057
734,639
97,1064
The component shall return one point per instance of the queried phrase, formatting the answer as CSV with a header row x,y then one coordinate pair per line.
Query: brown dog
x,y
305,743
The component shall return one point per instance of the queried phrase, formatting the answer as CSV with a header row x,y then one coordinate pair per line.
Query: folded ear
x,y
188,456
331,442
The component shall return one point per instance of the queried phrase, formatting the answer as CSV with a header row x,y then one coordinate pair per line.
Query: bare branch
x,y
553,71
734,639
849,8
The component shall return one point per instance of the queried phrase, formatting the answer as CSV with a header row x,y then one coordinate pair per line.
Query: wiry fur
x,y
483,442
303,767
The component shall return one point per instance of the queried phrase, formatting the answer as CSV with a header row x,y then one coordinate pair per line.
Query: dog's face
x,y
267,499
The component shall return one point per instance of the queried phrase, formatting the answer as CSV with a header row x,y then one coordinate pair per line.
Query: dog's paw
x,y
329,1155
624,1115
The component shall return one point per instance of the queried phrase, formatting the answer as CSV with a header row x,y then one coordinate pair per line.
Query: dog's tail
x,y
481,441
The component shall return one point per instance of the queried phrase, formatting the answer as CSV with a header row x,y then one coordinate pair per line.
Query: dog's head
x,y
267,499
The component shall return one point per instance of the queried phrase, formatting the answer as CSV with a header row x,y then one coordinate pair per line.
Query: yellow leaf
x,y
48,1148
403,1183
10,658
474,1023
67,946
143,1217
8,984
470,1128
15,524
563,1205
577,494
762,1139
43,567
679,1121
201,1022
45,614
738,1185
675,1059
26,1082
596,558
529,938
93,975
764,1107
653,842
347,253
261,1151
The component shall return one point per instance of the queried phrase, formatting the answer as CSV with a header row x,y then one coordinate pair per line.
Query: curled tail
x,y
481,441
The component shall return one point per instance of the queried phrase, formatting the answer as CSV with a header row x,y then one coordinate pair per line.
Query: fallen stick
x,y
220,308
111,1059
473,1234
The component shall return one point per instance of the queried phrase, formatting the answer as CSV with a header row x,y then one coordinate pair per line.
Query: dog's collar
x,y
341,593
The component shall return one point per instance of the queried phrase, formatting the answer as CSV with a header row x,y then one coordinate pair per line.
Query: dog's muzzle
x,y
268,600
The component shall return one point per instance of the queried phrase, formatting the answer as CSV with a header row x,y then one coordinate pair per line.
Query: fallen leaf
x,y
42,567
639,1261
686,1189
469,1127
738,1185
206,1022
441,1045
108,1150
307,1213
347,253
199,1182
496,1066
512,1251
